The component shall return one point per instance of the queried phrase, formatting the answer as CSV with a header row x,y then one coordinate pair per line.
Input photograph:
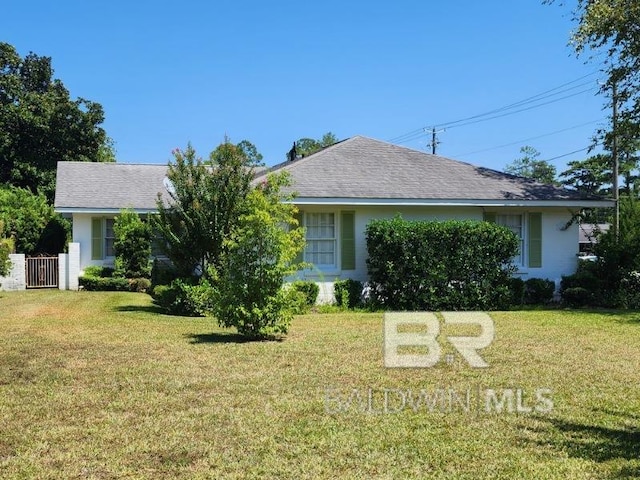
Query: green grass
x,y
101,386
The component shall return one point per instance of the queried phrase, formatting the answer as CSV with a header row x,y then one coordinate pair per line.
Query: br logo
x,y
427,338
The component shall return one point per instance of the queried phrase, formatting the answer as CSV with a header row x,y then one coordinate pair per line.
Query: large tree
x,y
608,34
529,166
205,202
40,124
306,146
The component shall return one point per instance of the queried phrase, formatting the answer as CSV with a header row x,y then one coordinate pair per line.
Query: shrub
x,y
348,293
98,271
538,291
589,282
576,297
104,284
163,273
453,265
629,291
183,298
6,248
308,289
140,285
516,288
132,245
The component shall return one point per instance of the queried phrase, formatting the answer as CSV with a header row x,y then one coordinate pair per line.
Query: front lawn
x,y
101,385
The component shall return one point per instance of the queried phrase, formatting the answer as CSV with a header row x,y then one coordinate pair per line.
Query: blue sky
x,y
168,73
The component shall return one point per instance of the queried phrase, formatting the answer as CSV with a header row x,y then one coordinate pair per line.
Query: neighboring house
x,y
339,190
588,236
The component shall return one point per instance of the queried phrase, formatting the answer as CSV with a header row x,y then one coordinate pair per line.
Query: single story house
x,y
339,190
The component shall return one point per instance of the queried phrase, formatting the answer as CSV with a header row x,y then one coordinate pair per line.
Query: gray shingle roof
x,y
364,168
88,185
359,168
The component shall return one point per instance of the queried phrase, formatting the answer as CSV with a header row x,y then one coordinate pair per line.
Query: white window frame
x,y
108,240
308,254
520,231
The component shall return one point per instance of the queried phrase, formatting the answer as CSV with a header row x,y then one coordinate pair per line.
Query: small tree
x,y
205,201
260,253
132,245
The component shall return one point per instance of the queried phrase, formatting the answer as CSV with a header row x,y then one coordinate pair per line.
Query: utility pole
x,y
434,140
614,155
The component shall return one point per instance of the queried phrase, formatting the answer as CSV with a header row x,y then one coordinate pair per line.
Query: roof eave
x,y
103,211
406,202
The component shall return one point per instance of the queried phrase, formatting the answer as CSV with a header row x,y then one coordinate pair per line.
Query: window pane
x,y
108,240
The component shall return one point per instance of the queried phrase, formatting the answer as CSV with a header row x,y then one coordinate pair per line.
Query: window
x,y
109,236
528,229
321,239
514,223
102,238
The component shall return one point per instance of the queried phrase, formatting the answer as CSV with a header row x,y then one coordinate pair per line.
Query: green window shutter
x,y
489,217
535,240
299,216
97,241
348,240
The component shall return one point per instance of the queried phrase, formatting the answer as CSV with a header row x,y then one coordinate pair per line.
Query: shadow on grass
x,y
223,337
594,442
141,308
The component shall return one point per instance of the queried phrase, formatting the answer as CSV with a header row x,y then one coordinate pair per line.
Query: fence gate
x,y
42,272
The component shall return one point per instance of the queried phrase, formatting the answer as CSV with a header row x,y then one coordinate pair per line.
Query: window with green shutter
x,y
97,239
535,240
348,240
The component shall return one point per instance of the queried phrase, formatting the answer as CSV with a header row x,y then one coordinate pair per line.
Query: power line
x,y
567,154
520,142
554,92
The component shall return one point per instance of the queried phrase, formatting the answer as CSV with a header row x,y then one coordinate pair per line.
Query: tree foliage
x,y
40,124
6,248
307,146
32,222
132,245
611,27
529,166
205,201
591,176
259,254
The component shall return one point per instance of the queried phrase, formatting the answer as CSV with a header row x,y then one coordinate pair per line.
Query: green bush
x,y
98,271
577,297
516,288
132,245
104,284
348,293
183,298
538,291
589,283
453,265
308,289
140,285
162,273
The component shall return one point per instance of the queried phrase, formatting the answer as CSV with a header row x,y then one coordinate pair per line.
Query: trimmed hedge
x,y
104,284
452,265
